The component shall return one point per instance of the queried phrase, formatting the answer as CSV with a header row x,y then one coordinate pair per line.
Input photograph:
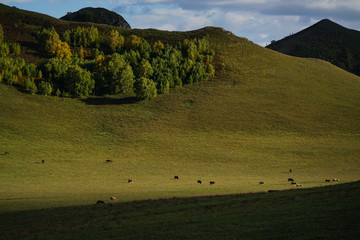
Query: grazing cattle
x,y
130,181
199,182
290,180
6,153
293,183
211,183
100,202
42,161
290,171
335,180
176,177
113,199
261,183
298,185
108,161
327,180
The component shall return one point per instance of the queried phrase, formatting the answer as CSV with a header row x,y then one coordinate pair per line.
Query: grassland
x,y
320,213
262,114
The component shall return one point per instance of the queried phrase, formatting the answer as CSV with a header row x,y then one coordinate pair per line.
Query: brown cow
x,y
113,199
6,153
109,161
130,181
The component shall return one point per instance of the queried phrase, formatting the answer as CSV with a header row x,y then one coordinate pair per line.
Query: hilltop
x,y
97,15
324,40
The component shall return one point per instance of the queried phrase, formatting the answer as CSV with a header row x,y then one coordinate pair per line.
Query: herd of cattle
x,y
291,180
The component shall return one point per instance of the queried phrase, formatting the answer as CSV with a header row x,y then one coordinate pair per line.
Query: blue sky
x,y
258,20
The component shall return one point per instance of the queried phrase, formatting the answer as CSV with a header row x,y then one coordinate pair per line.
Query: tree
x,y
114,74
145,88
116,40
45,88
78,81
1,33
30,85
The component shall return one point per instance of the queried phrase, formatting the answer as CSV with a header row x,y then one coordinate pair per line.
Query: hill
x,y
324,40
262,114
97,15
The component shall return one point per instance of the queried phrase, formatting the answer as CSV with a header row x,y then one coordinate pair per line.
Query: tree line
x,y
77,67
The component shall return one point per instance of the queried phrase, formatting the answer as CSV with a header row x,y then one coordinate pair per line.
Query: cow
x,y
298,185
261,182
108,161
293,183
212,183
6,153
335,180
199,182
290,180
130,181
290,171
176,177
327,180
100,202
42,161
113,199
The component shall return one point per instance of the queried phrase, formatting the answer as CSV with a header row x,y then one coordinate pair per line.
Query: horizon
x,y
259,21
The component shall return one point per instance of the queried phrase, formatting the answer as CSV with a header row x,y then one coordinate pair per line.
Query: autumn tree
x,y
116,40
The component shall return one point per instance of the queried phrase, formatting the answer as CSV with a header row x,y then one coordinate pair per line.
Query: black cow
x,y
100,202
199,182
176,177
290,180
211,183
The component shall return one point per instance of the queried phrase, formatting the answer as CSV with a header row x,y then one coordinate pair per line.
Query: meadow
x,y
262,114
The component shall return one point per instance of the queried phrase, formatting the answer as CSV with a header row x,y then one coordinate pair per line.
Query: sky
x,y
260,21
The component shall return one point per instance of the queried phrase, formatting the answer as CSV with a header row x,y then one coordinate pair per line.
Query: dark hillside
x,y
97,15
324,40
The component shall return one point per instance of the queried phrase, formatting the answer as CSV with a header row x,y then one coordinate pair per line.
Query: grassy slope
x,y
320,213
263,114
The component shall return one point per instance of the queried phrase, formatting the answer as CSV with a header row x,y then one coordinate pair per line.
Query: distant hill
x,y
97,15
324,40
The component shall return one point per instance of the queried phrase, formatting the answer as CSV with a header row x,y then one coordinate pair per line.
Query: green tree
x,y
78,81
30,85
145,88
114,74
45,88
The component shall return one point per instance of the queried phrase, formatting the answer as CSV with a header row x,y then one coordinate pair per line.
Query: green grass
x,y
262,114
326,213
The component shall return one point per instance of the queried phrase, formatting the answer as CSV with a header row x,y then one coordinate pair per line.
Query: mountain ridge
x,y
325,40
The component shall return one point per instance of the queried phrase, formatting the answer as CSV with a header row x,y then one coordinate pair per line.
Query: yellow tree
x,y
116,40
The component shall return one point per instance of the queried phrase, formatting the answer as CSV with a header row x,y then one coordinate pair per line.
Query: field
x,y
263,114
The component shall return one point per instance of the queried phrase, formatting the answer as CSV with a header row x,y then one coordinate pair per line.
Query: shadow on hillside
x,y
109,101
